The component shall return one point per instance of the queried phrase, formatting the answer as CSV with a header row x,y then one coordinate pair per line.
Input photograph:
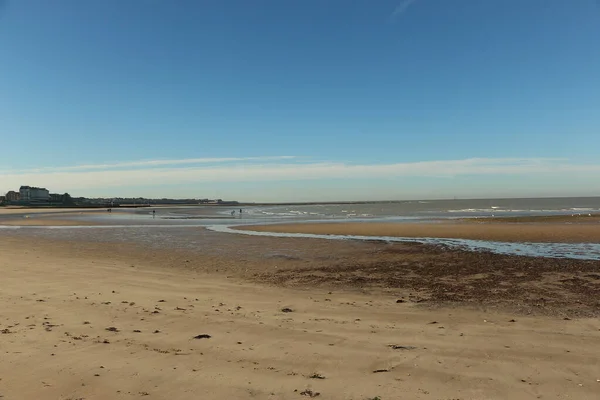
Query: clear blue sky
x,y
375,99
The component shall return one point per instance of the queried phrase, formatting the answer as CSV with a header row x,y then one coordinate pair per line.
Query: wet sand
x,y
77,216
538,219
44,222
97,321
505,232
48,217
40,210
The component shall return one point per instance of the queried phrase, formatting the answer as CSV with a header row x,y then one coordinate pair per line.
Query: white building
x,y
34,194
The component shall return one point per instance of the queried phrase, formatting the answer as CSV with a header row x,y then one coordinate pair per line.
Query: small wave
x,y
507,210
478,210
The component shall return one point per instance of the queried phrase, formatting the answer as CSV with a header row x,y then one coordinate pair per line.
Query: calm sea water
x,y
424,209
416,209
399,210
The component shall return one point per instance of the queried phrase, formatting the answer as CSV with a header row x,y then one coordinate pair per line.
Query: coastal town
x,y
33,196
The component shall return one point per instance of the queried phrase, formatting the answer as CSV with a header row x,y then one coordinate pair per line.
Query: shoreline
x,y
538,219
547,232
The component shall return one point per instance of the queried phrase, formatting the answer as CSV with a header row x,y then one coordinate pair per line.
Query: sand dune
x,y
58,311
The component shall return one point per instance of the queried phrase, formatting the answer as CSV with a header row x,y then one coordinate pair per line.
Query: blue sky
x,y
307,100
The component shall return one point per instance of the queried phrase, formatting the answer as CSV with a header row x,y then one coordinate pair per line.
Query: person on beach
x,y
232,213
153,214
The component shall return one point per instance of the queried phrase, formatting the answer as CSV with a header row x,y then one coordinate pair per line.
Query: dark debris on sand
x,y
309,393
398,347
438,275
202,336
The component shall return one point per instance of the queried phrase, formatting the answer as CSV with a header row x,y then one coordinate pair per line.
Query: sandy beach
x,y
83,321
471,229
96,314
347,320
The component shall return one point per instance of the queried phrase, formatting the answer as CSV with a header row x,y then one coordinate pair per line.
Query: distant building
x,y
34,194
56,198
13,196
2,199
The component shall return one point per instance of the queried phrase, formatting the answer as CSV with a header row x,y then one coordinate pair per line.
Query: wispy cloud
x,y
73,179
401,9
156,163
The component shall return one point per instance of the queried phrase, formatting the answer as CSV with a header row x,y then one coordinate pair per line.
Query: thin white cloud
x,y
77,181
401,8
155,163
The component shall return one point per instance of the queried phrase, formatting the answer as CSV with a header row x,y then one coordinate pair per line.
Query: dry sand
x,y
57,301
507,232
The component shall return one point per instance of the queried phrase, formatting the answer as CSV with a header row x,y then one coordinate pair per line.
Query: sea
x,y
428,209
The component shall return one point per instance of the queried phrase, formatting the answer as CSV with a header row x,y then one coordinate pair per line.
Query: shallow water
x,y
174,226
580,251
189,236
405,211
